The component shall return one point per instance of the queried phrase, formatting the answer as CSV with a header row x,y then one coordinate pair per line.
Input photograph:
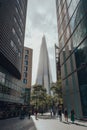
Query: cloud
x,y
42,14
41,19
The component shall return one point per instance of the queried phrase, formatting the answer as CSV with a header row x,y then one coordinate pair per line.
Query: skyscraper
x,y
72,32
44,76
12,30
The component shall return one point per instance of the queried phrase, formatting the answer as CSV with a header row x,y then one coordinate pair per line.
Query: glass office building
x,y
72,32
12,31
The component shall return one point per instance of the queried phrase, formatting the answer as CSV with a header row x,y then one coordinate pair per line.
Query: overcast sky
x,y
41,20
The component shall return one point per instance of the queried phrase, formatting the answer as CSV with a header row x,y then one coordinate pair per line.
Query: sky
x,y
41,20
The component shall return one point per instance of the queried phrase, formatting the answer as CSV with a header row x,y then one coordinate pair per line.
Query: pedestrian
x,y
60,114
54,111
60,111
29,114
36,114
72,115
22,113
66,115
51,112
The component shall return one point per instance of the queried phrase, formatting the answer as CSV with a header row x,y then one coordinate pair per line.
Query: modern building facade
x,y
12,26
12,30
44,76
27,67
27,71
72,33
57,59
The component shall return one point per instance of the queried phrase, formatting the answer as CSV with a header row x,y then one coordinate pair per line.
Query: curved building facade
x,y
12,26
12,30
72,32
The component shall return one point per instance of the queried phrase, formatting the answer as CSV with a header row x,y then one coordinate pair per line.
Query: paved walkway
x,y
17,124
55,124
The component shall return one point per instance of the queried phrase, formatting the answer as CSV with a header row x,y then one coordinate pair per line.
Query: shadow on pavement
x,y
47,117
68,123
80,124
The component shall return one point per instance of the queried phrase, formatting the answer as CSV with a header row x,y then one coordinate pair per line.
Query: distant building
x,y
27,67
44,76
27,71
72,33
57,58
12,30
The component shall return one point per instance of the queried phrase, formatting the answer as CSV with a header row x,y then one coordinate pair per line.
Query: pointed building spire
x,y
44,73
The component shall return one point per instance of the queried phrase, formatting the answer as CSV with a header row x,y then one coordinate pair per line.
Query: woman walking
x,y
72,115
66,115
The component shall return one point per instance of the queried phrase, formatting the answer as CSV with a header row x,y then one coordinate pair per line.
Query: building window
x,y
19,54
16,10
25,81
26,62
26,57
25,74
2,77
26,51
18,25
13,30
20,6
20,31
18,39
15,48
19,16
12,43
25,68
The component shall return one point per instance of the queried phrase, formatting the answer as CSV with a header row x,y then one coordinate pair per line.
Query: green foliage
x,y
39,98
57,91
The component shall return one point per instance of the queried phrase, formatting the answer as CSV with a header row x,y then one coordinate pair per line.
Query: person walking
x,y
29,114
51,112
66,115
72,115
60,114
60,111
36,114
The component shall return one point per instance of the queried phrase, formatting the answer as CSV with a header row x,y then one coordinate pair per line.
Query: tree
x,y
57,91
38,97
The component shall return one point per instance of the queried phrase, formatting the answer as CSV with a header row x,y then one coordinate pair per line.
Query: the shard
x,y
44,76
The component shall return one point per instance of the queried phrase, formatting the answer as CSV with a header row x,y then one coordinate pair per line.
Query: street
x,y
41,124
17,124
55,124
